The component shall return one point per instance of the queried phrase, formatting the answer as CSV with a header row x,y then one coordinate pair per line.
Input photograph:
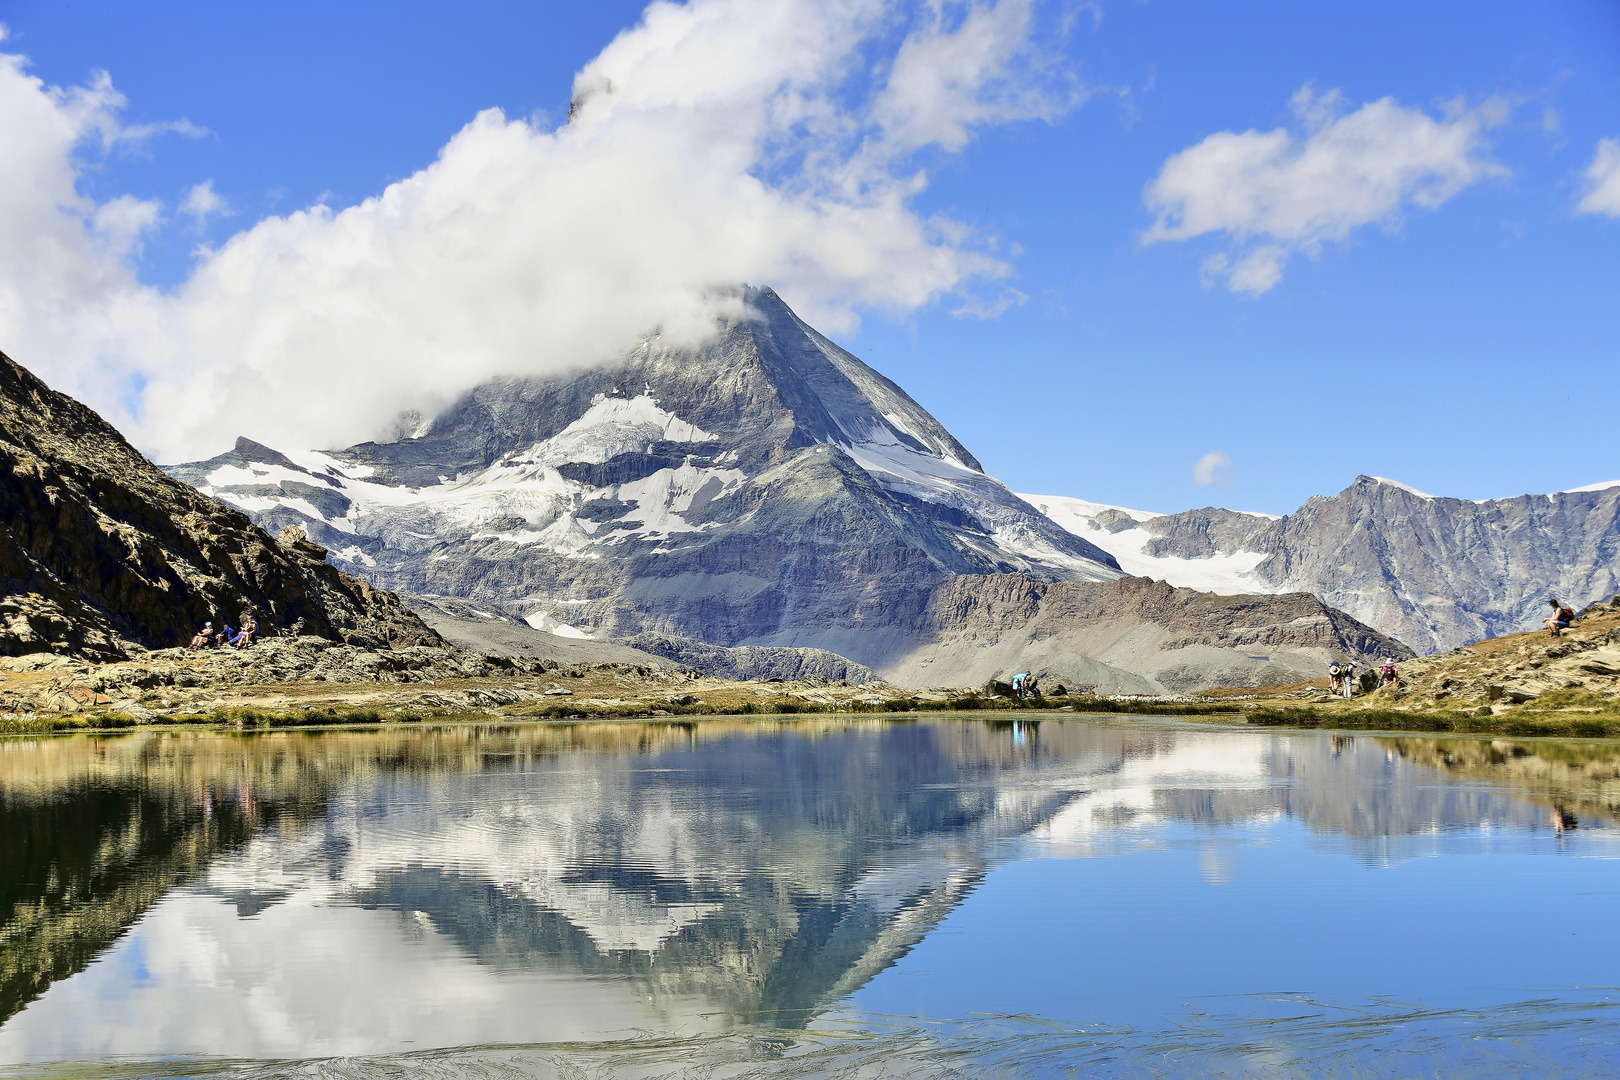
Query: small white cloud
x,y
1213,468
202,202
1258,270
944,82
1603,181
976,308
1279,193
122,222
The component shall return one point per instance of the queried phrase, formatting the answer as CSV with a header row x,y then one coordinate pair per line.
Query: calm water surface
x,y
948,897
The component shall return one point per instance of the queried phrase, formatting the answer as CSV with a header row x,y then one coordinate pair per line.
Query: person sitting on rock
x,y
202,638
225,635
244,636
1562,617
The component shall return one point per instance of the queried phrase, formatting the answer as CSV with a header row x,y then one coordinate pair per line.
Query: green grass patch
x,y
41,725
1558,717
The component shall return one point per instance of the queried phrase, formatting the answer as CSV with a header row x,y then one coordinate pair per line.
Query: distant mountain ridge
x,y
1434,572
765,489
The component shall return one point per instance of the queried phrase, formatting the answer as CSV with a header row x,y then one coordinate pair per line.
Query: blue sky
x,y
1461,335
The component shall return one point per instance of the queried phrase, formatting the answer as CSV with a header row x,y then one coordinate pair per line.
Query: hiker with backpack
x,y
1348,676
1562,616
1390,676
1335,673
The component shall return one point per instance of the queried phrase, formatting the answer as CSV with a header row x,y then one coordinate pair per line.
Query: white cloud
x,y
1213,468
717,142
202,202
1603,181
1279,193
986,69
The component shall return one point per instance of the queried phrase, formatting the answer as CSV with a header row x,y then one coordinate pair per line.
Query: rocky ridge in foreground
x,y
1582,664
104,555
327,679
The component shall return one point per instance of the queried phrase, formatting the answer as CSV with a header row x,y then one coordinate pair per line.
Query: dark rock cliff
x,y
100,550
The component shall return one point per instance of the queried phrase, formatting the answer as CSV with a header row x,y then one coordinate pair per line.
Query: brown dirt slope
x,y
1524,669
100,551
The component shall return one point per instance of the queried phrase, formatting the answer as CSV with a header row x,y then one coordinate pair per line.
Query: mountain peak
x,y
750,490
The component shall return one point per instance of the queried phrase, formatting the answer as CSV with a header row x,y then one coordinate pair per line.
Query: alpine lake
x,y
820,896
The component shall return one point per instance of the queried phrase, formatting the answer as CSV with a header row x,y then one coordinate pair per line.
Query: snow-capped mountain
x,y
1434,572
701,485
765,489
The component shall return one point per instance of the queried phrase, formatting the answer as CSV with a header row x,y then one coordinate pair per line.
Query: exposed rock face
x,y
100,551
1134,635
744,662
1438,573
1200,534
1435,573
485,627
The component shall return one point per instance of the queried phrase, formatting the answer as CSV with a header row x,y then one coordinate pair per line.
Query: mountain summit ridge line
x,y
1433,571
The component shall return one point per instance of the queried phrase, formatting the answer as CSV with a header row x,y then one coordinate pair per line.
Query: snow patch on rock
x,y
551,625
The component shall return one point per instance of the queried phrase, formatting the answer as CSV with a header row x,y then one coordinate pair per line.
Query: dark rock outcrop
x,y
745,662
101,551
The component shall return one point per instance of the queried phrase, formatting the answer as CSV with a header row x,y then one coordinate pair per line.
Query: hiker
x,y
1348,677
1561,618
1390,676
224,636
1334,675
244,636
202,638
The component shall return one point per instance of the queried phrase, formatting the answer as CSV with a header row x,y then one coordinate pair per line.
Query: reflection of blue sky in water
x,y
1126,876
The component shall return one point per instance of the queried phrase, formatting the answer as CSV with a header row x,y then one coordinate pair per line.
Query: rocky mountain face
x,y
100,551
484,627
1436,573
767,490
1134,635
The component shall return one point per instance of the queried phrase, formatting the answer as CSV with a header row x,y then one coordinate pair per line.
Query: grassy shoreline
x,y
1573,718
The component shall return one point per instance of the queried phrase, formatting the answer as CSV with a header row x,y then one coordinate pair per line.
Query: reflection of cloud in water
x,y
542,883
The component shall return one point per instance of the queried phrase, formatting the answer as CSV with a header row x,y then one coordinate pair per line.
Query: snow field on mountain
x,y
1228,575
943,479
524,486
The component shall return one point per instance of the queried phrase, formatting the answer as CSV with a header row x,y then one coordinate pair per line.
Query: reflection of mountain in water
x,y
761,874
732,868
